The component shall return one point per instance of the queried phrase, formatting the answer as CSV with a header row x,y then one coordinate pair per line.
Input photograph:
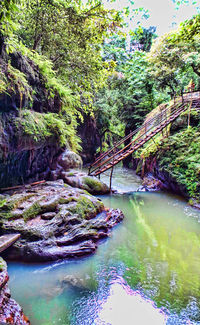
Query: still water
x,y
146,273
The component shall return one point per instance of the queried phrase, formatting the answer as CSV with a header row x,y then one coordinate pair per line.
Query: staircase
x,y
147,131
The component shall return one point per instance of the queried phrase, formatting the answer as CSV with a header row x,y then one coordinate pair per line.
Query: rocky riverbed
x,y
55,220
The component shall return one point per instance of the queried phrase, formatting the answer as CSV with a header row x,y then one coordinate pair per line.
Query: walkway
x,y
147,131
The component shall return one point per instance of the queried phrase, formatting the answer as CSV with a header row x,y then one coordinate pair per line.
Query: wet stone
x,y
56,221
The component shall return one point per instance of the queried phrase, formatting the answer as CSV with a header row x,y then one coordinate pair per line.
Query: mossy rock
x,y
85,208
94,185
56,222
89,183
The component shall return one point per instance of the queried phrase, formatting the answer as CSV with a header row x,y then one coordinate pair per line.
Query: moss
x,y
84,207
11,203
5,215
10,206
3,265
32,211
2,203
67,200
93,183
70,174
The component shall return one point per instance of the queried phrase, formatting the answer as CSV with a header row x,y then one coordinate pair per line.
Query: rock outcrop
x,y
69,159
35,129
10,311
55,221
90,137
81,180
156,178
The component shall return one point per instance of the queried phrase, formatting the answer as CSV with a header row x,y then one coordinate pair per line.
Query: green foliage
x,y
13,81
37,127
7,9
180,156
142,38
130,92
175,57
16,81
69,34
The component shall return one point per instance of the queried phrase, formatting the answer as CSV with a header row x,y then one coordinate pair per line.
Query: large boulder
x,y
69,159
55,221
81,180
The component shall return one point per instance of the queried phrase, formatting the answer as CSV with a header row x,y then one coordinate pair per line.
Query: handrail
x,y
134,141
128,137
146,131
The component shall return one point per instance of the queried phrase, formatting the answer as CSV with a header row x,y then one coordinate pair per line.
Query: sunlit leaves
x,y
175,57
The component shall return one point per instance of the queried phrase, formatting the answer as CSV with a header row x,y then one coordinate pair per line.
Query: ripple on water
x,y
146,273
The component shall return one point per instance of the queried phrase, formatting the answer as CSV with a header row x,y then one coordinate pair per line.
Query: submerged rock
x,y
55,221
10,311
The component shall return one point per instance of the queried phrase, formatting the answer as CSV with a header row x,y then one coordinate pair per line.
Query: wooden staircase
x,y
144,133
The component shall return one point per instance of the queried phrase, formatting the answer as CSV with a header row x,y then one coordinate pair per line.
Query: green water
x,y
147,272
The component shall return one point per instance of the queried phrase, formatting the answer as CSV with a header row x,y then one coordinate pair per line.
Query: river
x,y
146,273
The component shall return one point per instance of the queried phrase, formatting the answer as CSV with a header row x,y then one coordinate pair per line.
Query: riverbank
x,y
171,160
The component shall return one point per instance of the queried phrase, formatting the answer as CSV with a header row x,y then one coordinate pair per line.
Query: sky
x,y
162,13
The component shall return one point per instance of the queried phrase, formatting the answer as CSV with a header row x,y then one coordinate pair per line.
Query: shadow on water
x,y
146,273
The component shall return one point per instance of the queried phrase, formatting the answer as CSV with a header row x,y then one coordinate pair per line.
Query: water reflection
x,y
126,306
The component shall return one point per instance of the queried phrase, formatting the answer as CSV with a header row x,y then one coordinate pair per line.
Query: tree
x,y
142,38
7,9
70,34
175,57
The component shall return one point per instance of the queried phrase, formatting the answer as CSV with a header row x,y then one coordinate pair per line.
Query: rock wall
x,y
157,178
10,311
90,137
25,103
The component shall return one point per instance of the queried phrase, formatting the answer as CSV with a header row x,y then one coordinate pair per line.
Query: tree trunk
x,y
1,43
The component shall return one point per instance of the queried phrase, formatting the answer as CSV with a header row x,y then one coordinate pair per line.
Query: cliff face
x,y
31,127
173,158
90,137
10,311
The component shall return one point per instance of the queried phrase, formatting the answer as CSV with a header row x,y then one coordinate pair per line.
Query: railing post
x,y
111,178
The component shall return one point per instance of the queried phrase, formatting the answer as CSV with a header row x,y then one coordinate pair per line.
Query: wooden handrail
x,y
145,132
127,146
127,137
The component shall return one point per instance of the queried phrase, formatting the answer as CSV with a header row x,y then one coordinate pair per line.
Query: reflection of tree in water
x,y
165,259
